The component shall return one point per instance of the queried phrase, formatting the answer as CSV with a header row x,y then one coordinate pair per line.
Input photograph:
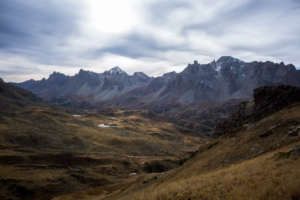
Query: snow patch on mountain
x,y
116,70
231,59
140,75
218,67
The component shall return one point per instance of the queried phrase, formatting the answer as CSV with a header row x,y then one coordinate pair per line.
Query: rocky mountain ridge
x,y
221,80
96,86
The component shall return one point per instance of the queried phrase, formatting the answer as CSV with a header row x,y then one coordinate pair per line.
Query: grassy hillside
x,y
47,151
52,152
251,162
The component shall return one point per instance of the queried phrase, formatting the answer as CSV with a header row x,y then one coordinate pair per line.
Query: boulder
x,y
295,151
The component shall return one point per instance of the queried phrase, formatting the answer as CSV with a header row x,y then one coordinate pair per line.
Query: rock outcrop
x,y
295,151
266,101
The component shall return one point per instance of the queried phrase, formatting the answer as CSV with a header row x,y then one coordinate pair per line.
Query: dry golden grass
x,y
45,152
246,165
259,178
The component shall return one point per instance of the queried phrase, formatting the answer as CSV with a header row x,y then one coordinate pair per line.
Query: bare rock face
x,y
86,85
295,151
221,80
1,80
266,101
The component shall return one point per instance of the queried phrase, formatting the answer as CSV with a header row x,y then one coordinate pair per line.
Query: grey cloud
x,y
159,12
225,18
124,50
169,32
137,45
250,26
264,27
11,70
245,16
31,27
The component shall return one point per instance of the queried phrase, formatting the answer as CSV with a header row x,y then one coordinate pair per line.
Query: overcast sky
x,y
38,37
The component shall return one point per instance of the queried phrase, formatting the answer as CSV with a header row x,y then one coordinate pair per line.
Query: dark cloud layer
x,y
37,37
35,29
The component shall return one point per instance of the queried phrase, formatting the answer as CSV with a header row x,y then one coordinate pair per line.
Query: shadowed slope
x,y
47,151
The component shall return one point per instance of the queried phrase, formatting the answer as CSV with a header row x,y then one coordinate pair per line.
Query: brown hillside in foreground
x,y
255,161
47,151
249,164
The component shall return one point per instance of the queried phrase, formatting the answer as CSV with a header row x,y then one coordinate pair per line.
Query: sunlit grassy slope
x,y
252,162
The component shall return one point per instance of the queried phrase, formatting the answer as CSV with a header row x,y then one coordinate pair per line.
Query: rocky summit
x,y
221,80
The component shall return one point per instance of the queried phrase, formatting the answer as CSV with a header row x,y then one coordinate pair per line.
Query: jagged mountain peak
x,y
82,71
139,74
141,77
92,78
56,75
115,70
228,59
225,63
197,68
169,74
1,80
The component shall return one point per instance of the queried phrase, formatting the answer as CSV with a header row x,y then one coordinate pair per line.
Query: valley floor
x,y
45,153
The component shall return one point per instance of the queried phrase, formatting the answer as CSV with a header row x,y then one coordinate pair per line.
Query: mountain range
x,y
221,80
98,86
177,96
